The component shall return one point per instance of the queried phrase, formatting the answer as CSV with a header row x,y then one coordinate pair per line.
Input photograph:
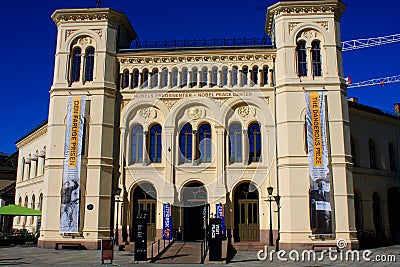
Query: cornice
x,y
336,7
195,58
32,137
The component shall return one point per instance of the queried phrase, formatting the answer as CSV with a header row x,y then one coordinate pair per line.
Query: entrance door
x,y
248,220
149,205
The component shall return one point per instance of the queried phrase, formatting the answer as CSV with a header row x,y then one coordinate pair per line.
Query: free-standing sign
x,y
70,191
320,181
141,238
107,250
167,222
221,215
215,240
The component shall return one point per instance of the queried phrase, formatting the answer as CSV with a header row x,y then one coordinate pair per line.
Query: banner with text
x,y
70,192
221,215
320,182
167,222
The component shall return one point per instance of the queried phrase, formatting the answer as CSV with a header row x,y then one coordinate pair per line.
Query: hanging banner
x,y
320,184
167,222
70,192
221,214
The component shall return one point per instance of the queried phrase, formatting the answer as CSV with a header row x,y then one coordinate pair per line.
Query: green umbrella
x,y
16,210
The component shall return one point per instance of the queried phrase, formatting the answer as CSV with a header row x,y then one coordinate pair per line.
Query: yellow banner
x,y
73,146
316,128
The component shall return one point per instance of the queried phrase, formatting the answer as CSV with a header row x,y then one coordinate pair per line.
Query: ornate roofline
x,y
303,7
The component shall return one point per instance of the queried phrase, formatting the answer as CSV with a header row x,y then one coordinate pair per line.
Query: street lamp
x,y
270,189
117,200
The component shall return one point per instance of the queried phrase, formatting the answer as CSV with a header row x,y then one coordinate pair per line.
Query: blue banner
x,y
221,214
167,222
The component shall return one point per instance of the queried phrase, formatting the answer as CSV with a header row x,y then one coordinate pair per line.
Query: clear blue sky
x,y
29,36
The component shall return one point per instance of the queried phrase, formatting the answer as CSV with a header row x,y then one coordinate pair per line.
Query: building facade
x,y
194,127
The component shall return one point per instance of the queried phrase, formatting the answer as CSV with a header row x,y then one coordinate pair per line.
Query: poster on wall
x,y
221,214
167,222
70,191
320,181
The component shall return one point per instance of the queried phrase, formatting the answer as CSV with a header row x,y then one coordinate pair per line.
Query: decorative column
x,y
170,78
240,78
270,77
209,78
140,80
146,159
160,74
131,80
150,80
219,78
246,149
195,148
40,167
179,79
189,79
249,80
259,78
230,78
33,171
198,78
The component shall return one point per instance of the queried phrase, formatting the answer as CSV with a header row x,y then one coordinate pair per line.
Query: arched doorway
x,y
144,200
377,217
195,211
246,213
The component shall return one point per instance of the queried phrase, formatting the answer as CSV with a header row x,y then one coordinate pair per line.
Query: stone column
x,y
259,77
270,77
198,78
170,79
146,159
140,80
246,148
150,80
33,172
240,78
219,78
195,148
249,80
209,78
230,78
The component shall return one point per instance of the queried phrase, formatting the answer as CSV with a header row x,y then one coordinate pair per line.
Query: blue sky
x,y
29,36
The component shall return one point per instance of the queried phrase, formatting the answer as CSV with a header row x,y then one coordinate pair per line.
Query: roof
x,y
43,123
370,109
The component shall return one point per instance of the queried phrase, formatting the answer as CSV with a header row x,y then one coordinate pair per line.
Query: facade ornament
x,y
194,113
292,25
309,34
68,33
324,24
244,111
85,40
169,103
99,32
148,113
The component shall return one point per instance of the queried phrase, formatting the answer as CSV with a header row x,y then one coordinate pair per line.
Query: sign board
x,y
221,214
141,238
107,250
167,222
215,240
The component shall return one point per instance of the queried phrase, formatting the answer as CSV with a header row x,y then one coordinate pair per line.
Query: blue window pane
x,y
205,143
76,65
185,144
316,58
89,64
302,59
254,135
155,143
126,79
137,144
235,139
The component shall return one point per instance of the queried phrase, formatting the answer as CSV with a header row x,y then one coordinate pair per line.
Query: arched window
x,y
185,143
184,77
254,75
214,76
235,76
194,77
135,78
174,77
137,144
392,159
205,142
164,78
372,158
301,58
235,143
204,77
155,143
76,64
145,77
125,79
155,77
316,58
245,72
33,207
265,75
89,64
224,76
254,134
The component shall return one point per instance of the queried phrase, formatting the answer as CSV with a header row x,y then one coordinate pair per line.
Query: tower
x,y
307,39
86,67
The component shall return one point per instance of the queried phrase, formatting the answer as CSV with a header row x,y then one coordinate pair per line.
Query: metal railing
x,y
222,42
162,246
204,249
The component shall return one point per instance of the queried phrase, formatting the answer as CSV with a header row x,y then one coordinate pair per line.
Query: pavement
x,y
33,256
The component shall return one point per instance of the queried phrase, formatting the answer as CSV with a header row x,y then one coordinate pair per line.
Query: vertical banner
x,y
320,182
167,222
221,214
70,192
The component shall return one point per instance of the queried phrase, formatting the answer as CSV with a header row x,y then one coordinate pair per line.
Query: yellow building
x,y
200,125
